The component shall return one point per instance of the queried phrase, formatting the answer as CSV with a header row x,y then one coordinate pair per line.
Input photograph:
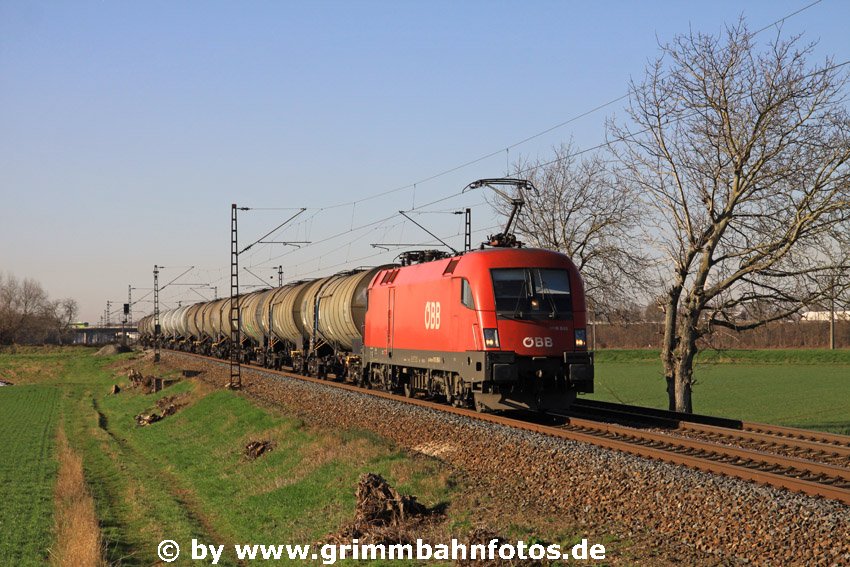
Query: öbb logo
x,y
432,314
538,342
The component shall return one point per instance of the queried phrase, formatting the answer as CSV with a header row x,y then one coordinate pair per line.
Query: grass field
x,y
299,492
185,477
797,388
28,417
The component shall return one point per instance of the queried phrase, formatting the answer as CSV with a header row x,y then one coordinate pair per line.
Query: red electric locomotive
x,y
496,329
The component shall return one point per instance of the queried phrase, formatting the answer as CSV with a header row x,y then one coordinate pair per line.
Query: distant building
x,y
825,316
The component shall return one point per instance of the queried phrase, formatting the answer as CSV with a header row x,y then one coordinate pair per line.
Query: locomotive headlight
x,y
491,338
581,338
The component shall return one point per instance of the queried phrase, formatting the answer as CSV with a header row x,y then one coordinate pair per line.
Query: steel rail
x,y
770,439
829,439
715,449
730,433
619,438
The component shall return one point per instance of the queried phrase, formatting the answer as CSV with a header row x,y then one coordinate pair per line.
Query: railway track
x,y
770,468
804,444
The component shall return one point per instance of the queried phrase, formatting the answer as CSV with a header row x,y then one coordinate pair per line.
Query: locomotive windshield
x,y
532,293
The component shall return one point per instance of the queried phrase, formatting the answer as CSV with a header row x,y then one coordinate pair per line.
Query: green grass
x,y
786,387
307,475
184,477
777,356
30,365
28,417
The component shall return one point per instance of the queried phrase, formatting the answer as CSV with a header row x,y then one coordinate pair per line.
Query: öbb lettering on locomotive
x,y
432,315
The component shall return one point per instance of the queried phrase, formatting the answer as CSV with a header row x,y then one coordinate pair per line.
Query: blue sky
x,y
128,128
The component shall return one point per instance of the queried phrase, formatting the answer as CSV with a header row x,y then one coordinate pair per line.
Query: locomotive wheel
x,y
454,391
377,378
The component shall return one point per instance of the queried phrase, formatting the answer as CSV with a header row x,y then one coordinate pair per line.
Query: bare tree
x,y
8,307
27,315
579,211
65,313
834,282
741,158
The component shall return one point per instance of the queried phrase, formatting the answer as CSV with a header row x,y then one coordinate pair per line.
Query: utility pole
x,y
156,327
832,322
235,315
129,310
124,324
108,314
593,329
467,231
280,276
235,311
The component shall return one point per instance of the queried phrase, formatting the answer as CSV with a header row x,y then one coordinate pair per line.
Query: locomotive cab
x,y
537,350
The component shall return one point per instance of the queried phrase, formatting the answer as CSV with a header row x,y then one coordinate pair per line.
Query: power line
x,y
499,151
384,220
632,135
384,253
782,19
538,134
484,157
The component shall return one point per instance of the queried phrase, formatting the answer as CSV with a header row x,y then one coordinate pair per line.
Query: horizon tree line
x,y
29,316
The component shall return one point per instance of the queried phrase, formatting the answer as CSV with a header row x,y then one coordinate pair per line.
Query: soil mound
x,y
109,350
170,405
379,504
256,449
144,419
383,515
148,384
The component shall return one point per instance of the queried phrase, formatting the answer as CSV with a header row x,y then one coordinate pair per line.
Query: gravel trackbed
x,y
673,514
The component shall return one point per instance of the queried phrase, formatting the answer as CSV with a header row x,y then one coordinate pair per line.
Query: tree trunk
x,y
684,381
686,352
668,347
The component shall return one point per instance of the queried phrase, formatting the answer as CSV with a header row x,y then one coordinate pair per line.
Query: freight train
x,y
494,329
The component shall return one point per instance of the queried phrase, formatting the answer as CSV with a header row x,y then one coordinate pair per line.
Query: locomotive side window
x,y
466,294
532,293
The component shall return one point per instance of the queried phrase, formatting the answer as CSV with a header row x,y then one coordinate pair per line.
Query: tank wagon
x,y
494,329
